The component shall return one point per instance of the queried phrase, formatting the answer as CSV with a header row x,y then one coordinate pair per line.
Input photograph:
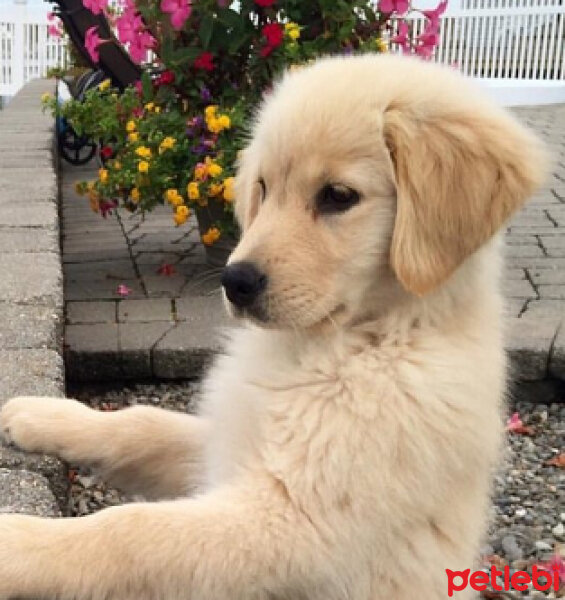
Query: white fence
x,y
26,49
515,47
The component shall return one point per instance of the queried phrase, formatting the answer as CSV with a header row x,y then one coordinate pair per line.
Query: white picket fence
x,y
26,49
515,47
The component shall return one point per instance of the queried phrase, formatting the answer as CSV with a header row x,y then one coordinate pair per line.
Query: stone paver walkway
x,y
166,326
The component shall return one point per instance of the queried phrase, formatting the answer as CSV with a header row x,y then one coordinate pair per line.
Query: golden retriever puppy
x,y
348,433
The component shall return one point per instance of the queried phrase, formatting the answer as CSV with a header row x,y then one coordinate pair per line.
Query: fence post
x,y
18,49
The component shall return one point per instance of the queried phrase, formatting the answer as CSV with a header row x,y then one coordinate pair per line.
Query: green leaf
x,y
230,18
146,86
205,30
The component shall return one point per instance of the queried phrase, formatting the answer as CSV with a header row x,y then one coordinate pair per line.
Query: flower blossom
x,y
96,7
205,61
400,7
92,41
402,38
179,11
273,34
265,3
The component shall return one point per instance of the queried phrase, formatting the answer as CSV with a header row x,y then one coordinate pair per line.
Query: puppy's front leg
x,y
235,543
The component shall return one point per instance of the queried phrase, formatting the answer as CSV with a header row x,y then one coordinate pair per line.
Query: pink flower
x,y
92,41
50,16
179,10
400,7
139,46
95,6
514,422
128,24
54,31
273,33
265,3
435,14
426,43
123,290
402,38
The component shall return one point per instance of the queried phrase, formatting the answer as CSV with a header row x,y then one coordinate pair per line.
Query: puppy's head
x,y
367,173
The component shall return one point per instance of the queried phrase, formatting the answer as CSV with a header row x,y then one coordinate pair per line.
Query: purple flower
x,y
205,94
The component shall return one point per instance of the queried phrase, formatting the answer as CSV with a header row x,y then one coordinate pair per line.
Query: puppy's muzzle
x,y
243,283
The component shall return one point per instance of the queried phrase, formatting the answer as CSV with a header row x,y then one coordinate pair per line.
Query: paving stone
x,y
136,342
540,309
528,251
30,372
528,343
164,285
556,292
31,278
105,289
23,326
21,239
91,352
25,492
514,288
548,276
91,312
146,310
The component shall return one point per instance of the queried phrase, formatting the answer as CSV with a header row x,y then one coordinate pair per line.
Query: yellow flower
x,y
173,197
130,126
215,189
150,106
211,168
229,193
143,166
200,171
116,165
104,85
133,137
157,109
292,30
210,111
46,97
79,188
134,195
94,203
143,151
193,190
224,121
181,214
212,235
166,144
103,175
381,45
214,125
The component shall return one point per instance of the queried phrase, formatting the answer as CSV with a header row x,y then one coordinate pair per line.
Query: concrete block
x,y
557,357
30,372
25,492
32,239
136,341
90,312
146,310
23,326
31,278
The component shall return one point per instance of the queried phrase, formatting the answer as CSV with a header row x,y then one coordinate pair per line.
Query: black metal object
x,y
114,60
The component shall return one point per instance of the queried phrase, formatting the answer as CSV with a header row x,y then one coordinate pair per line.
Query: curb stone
x,y
31,292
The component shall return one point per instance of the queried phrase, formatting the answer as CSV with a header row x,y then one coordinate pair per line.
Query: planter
x,y
210,216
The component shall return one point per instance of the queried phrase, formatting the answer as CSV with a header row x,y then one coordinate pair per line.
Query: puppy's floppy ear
x,y
246,202
459,176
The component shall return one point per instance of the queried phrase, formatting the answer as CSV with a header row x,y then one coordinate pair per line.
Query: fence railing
x,y
27,51
515,47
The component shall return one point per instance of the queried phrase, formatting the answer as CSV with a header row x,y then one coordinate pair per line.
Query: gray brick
x,y
528,344
515,288
31,278
90,312
146,310
552,291
136,343
22,239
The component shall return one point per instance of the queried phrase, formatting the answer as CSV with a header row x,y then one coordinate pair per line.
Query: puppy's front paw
x,y
38,424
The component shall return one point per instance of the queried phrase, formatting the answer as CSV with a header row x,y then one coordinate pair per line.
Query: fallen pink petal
x,y
123,290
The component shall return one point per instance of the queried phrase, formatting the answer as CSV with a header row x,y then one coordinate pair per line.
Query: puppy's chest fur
x,y
344,420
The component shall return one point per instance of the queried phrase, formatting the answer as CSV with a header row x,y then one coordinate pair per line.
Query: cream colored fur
x,y
346,442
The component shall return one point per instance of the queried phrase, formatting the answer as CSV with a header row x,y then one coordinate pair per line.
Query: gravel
x,y
528,511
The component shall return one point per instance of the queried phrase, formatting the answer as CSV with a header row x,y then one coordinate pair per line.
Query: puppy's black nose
x,y
243,282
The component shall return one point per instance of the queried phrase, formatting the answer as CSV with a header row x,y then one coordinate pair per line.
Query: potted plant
x,y
175,135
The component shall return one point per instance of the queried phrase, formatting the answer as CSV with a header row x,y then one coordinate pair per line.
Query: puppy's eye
x,y
336,199
263,189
